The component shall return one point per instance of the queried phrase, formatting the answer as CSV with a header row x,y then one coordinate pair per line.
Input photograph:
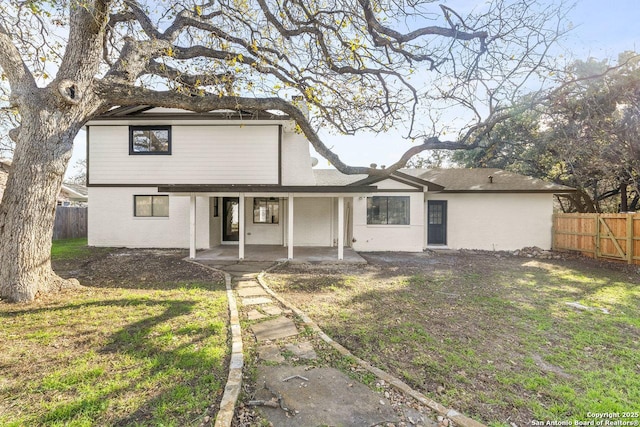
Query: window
x,y
266,211
388,210
150,140
147,206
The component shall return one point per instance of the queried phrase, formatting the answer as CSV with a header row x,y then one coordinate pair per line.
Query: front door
x,y
230,217
437,222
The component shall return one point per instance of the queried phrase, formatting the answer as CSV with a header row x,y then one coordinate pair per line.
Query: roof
x,y
148,112
477,179
75,191
451,180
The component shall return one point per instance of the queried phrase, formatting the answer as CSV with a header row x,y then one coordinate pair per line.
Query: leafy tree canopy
x,y
586,135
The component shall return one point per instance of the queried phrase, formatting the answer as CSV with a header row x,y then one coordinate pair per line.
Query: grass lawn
x,y
144,343
489,336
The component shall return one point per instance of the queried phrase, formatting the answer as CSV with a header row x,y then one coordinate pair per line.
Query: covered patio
x,y
278,253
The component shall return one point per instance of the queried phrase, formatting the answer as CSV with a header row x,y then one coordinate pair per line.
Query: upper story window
x,y
266,211
388,210
149,139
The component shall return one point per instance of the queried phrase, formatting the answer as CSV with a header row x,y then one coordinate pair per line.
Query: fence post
x,y
596,217
553,231
630,238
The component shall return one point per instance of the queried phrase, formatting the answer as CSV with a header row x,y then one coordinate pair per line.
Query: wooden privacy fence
x,y
610,236
70,222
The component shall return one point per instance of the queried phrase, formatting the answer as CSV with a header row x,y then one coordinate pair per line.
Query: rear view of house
x,y
162,178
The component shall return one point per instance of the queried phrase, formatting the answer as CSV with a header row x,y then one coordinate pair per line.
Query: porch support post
x,y
290,227
192,226
241,227
341,227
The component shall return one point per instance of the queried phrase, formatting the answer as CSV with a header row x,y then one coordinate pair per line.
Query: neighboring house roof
x,y
450,180
75,192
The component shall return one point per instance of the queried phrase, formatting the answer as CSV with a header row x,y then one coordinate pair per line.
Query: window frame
x,y
135,205
273,200
386,223
133,129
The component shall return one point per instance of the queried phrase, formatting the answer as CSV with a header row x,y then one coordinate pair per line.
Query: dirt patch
x,y
133,268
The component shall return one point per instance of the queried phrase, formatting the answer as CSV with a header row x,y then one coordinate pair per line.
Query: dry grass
x,y
490,336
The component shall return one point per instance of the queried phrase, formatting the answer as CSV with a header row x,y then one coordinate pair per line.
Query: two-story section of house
x,y
163,178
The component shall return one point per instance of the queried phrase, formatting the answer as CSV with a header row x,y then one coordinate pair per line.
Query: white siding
x,y
199,155
408,238
497,221
111,220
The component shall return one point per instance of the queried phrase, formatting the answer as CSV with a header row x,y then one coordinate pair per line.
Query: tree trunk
x,y
624,205
43,148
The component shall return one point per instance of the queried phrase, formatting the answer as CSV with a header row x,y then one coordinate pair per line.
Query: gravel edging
x,y
452,414
234,381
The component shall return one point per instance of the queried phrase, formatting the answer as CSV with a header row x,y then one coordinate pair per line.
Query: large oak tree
x,y
356,64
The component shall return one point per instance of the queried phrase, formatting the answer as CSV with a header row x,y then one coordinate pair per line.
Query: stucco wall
x,y
408,238
111,220
312,222
497,221
261,234
296,160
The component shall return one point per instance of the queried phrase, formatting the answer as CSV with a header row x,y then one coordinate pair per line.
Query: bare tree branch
x,y
19,76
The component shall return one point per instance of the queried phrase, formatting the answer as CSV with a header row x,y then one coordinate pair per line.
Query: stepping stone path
x,y
316,396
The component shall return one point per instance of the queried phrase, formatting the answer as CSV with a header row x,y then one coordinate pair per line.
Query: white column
x,y
290,228
192,226
241,227
341,227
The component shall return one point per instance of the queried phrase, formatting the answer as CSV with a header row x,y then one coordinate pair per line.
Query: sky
x,y
601,29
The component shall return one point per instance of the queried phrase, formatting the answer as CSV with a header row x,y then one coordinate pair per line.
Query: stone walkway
x,y
296,394
293,389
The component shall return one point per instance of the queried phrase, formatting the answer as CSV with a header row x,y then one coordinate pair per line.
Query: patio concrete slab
x,y
280,327
269,254
329,397
252,291
302,349
256,301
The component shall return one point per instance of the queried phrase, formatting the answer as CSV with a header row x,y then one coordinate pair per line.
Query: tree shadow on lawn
x,y
495,333
181,376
